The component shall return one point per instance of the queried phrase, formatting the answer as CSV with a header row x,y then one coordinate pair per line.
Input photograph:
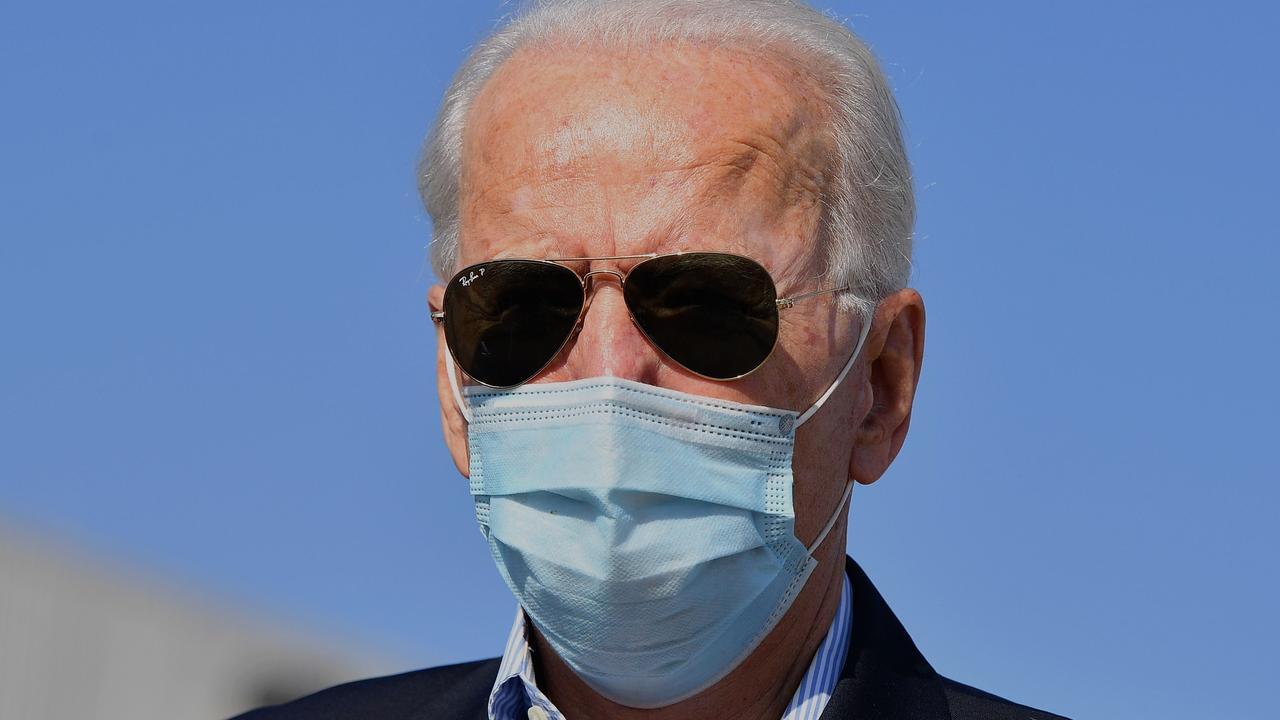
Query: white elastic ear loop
x,y
862,337
453,384
831,522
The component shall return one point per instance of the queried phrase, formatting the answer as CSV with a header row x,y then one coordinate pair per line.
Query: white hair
x,y
868,208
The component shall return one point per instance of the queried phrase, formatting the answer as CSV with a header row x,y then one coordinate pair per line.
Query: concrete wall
x,y
83,640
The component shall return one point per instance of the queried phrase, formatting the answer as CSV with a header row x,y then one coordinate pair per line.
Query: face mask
x,y
649,534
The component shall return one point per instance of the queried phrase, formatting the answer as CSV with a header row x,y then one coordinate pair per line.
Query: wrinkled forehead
x,y
548,102
709,126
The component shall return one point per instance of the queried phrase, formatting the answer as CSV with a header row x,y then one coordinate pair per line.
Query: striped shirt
x,y
515,694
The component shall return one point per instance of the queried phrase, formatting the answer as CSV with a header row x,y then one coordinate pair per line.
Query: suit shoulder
x,y
970,703
452,691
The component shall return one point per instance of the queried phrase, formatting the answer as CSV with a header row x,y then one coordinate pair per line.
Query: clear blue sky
x,y
216,360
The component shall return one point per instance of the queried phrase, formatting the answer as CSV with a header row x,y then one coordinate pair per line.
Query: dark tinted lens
x,y
715,314
506,319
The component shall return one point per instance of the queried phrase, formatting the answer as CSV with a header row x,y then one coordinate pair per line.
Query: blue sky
x,y
217,363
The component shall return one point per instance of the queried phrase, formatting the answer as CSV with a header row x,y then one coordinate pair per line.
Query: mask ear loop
x,y
453,385
831,521
862,338
807,414
848,488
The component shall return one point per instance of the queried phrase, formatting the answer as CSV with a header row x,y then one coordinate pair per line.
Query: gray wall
x,y
81,639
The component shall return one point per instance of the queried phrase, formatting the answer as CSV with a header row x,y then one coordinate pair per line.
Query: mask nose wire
x,y
862,338
848,490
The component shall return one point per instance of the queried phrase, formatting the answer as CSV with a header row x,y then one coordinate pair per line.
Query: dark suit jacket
x,y
884,678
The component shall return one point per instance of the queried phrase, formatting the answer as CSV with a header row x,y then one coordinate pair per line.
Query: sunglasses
x,y
714,314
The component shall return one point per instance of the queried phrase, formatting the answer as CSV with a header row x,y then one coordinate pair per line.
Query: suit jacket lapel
x,y
884,676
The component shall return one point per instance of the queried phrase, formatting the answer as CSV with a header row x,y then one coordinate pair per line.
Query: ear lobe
x,y
452,424
895,352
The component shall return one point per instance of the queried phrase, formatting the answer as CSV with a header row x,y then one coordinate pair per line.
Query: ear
x,y
894,353
452,423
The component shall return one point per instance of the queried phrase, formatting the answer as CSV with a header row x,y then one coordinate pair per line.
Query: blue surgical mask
x,y
649,534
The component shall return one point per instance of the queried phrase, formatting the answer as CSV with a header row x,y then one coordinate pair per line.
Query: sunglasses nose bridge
x,y
589,281
611,351
588,278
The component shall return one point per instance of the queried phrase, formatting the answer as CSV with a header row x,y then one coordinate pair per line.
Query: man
x,y
674,333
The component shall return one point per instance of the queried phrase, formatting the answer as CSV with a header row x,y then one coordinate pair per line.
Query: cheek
x,y
820,469
805,339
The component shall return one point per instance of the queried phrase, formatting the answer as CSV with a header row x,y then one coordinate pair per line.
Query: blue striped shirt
x,y
515,694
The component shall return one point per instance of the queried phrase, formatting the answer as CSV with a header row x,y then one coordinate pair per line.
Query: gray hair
x,y
868,208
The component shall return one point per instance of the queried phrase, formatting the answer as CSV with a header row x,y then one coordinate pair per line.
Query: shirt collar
x,y
515,690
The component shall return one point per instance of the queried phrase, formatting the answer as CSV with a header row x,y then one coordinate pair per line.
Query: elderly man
x,y
674,333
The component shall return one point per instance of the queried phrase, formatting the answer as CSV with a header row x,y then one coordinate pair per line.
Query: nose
x,y
608,342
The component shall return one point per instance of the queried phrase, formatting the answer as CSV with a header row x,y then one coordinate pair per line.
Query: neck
x,y
758,689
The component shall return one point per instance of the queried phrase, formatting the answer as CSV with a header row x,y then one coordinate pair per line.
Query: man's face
x,y
590,153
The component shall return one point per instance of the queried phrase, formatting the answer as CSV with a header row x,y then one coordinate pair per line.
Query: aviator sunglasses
x,y
714,314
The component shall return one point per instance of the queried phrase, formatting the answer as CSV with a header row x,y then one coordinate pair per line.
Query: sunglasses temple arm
x,y
438,316
784,303
453,385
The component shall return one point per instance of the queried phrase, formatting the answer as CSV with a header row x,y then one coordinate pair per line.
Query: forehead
x,y
642,146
